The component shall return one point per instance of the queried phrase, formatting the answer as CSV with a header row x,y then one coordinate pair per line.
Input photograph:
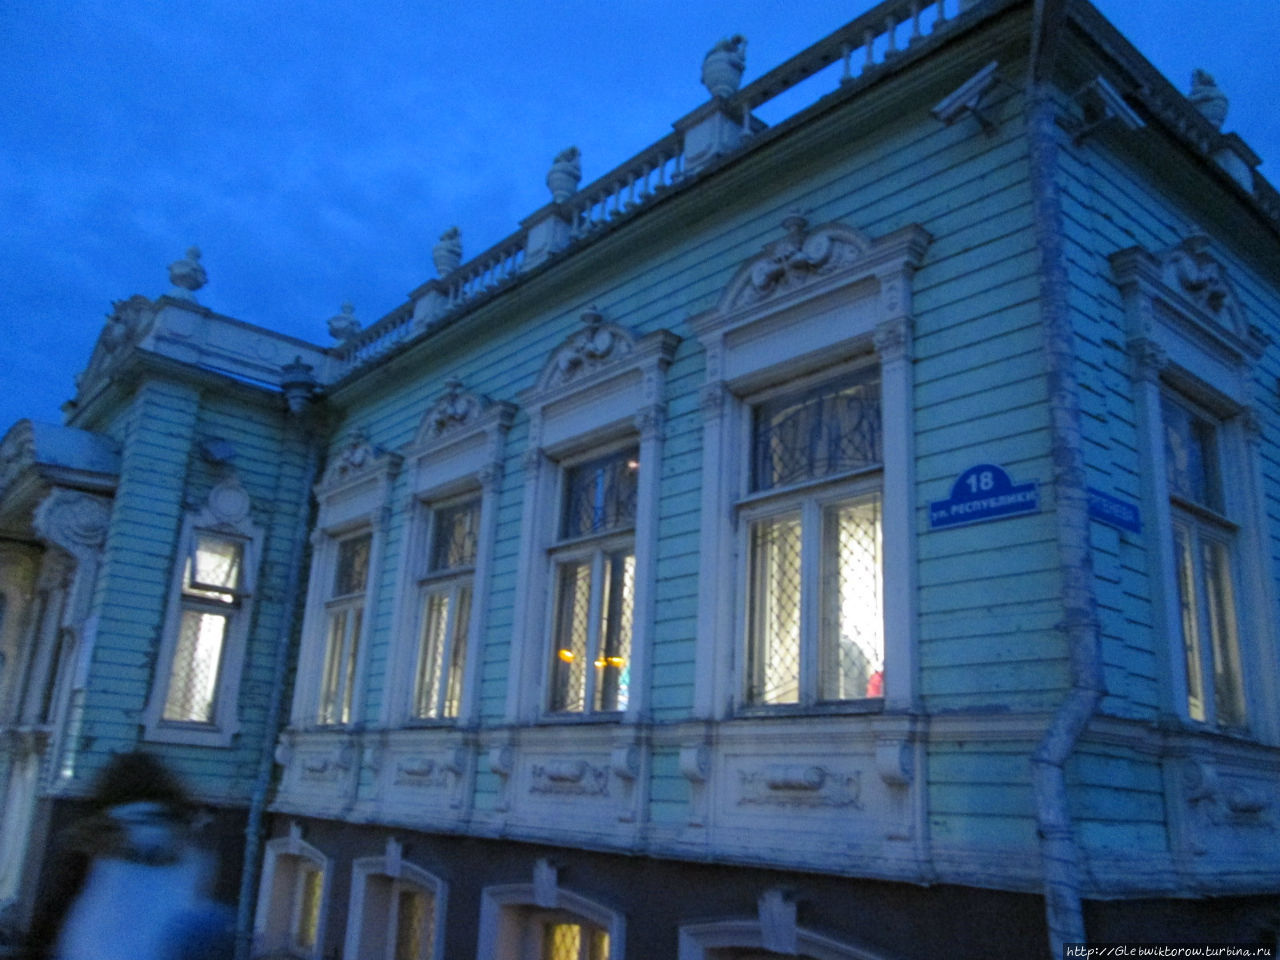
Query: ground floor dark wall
x,y
1251,921
657,896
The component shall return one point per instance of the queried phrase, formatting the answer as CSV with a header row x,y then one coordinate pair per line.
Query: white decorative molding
x,y
575,777
357,459
601,387
777,910
74,521
815,299
598,344
799,785
545,883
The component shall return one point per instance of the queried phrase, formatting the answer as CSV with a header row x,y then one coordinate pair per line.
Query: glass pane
x,y
307,922
852,655
573,602
349,678
773,654
341,649
458,655
453,538
824,431
562,941
435,624
1190,623
613,665
1191,456
1228,685
193,681
214,568
599,945
352,570
414,931
601,495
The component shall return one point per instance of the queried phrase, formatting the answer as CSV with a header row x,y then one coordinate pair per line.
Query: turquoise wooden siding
x,y
163,476
980,395
133,583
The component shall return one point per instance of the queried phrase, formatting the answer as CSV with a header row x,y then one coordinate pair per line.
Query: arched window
x,y
397,910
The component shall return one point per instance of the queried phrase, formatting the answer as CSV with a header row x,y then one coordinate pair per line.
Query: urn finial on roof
x,y
723,65
344,325
1207,98
447,253
565,174
187,275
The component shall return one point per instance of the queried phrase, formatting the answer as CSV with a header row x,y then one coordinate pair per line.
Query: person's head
x,y
143,806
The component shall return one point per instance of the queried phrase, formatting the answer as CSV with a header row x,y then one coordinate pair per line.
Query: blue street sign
x,y
982,493
1119,513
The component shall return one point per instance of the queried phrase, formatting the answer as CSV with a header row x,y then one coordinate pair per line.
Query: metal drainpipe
x,y
1059,854
266,763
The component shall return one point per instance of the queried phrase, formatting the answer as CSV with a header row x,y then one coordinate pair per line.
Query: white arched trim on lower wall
x,y
704,941
509,912
377,888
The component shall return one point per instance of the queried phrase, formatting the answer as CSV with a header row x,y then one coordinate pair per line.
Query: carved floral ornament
x,y
455,409
805,257
74,521
127,323
1187,275
357,457
597,345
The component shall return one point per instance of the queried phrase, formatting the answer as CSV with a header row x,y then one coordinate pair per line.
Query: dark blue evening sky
x,y
316,151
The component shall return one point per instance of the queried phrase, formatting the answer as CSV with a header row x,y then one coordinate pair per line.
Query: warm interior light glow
x,y
565,655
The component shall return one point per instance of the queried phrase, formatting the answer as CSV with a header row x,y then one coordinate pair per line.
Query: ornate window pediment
x,y
586,353
808,262
1185,293
357,461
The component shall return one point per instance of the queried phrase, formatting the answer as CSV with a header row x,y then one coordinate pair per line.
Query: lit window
x,y
594,579
563,940
344,618
445,589
305,930
814,617
211,584
1203,548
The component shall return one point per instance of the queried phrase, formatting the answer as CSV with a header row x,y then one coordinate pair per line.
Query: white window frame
x,y
225,516
818,301
591,548
457,453
286,861
512,916
354,496
361,915
810,499
602,389
1189,341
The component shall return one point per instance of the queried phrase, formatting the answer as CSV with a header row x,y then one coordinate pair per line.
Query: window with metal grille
x,y
308,898
563,940
811,521
445,591
594,585
212,582
344,619
1203,551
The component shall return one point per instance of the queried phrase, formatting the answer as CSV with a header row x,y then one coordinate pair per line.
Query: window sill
x,y
577,719
194,734
870,705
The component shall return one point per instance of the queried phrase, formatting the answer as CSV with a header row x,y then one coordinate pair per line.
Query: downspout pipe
x,y
1060,855
279,676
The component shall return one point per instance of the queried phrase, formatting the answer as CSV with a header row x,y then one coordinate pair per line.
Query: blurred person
x,y
128,882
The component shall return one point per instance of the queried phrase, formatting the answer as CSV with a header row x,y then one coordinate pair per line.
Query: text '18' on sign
x,y
982,493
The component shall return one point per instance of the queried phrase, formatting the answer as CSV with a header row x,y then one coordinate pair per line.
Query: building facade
x,y
847,538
